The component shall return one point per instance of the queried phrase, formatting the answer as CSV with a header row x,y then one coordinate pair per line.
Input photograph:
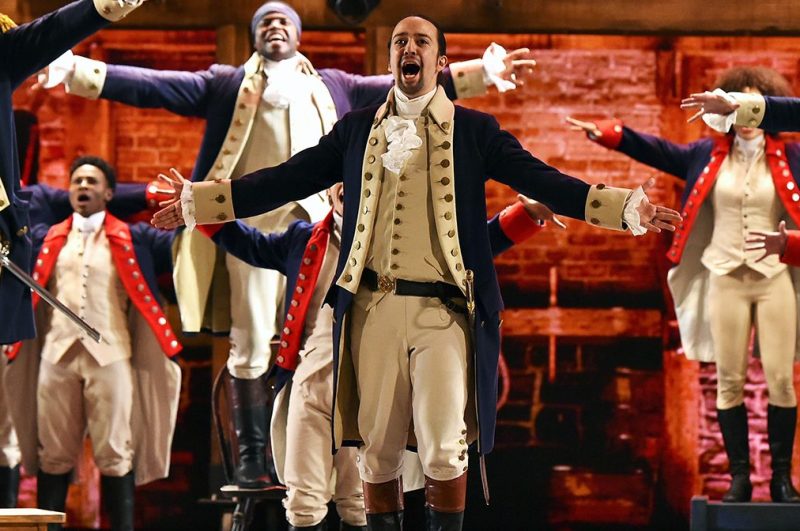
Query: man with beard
x,y
258,115
414,234
123,391
24,50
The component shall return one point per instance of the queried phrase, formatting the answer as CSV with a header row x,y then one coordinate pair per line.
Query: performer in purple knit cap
x,y
258,115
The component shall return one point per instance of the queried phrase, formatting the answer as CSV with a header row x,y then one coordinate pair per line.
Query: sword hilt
x,y
469,284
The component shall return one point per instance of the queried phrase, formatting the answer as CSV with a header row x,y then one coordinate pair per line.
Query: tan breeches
x,y
310,466
736,301
411,363
9,446
75,394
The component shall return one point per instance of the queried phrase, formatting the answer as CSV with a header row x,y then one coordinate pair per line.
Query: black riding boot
x,y
781,423
248,399
9,486
118,495
344,526
733,425
444,503
51,494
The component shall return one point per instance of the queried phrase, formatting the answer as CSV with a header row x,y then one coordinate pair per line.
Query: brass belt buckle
x,y
386,284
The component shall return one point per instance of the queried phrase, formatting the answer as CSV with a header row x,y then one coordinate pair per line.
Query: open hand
x,y
539,212
770,242
171,214
708,103
654,218
519,65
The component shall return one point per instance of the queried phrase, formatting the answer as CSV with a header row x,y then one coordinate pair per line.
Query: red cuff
x,y
156,192
791,255
612,133
210,230
517,224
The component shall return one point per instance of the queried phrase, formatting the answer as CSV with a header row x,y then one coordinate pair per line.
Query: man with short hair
x,y
414,233
122,390
257,115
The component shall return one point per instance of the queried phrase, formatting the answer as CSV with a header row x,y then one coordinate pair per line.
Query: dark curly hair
x,y
100,164
767,81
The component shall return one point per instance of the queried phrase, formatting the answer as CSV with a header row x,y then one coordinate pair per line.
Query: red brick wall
x,y
638,79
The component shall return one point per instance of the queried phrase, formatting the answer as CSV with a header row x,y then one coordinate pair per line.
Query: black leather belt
x,y
409,288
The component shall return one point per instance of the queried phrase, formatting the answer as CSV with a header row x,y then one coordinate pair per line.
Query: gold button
x,y
445,125
371,159
445,181
23,231
756,109
595,204
397,221
367,193
107,10
454,252
220,198
460,74
401,194
2,202
92,87
448,198
373,141
353,261
357,246
395,251
448,216
220,166
96,70
226,151
445,163
395,236
445,145
360,227
348,278
242,105
451,233
399,206
601,186
403,178
368,176
595,221
753,122
394,266
459,267
234,138
246,90
222,216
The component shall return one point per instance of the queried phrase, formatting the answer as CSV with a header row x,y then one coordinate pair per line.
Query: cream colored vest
x,y
86,280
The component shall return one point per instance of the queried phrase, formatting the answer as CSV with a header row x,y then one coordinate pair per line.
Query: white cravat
x,y
284,81
411,107
749,148
88,225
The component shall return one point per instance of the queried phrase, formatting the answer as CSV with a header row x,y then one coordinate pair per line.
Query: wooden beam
x,y
726,17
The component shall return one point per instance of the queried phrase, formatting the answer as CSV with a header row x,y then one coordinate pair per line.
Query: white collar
x,y
750,148
285,65
411,107
88,225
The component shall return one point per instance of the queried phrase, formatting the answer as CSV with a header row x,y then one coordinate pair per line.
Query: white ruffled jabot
x,y
401,133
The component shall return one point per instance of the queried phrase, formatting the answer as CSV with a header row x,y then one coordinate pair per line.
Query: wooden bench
x,y
29,519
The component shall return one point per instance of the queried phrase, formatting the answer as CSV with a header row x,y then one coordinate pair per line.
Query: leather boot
x,y
322,526
248,399
9,486
118,495
733,425
344,526
51,494
383,503
444,503
781,422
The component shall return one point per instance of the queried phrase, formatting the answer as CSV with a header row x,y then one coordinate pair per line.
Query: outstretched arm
x,y
721,110
250,245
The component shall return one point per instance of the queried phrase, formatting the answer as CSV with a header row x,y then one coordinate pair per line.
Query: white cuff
x,y
630,215
493,66
59,71
187,206
115,10
719,122
87,79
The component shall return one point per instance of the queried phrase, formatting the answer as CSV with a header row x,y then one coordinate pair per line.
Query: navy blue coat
x,y
481,151
23,51
211,95
781,114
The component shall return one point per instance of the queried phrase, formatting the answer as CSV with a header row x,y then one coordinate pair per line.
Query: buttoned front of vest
x,y
420,238
86,280
744,199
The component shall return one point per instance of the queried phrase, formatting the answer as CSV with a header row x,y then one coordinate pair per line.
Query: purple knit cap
x,y
276,7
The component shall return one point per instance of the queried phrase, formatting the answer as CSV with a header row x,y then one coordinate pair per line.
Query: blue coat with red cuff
x,y
698,164
781,114
23,51
299,251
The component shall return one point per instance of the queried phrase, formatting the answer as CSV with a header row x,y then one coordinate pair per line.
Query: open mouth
x,y
276,37
83,198
410,70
